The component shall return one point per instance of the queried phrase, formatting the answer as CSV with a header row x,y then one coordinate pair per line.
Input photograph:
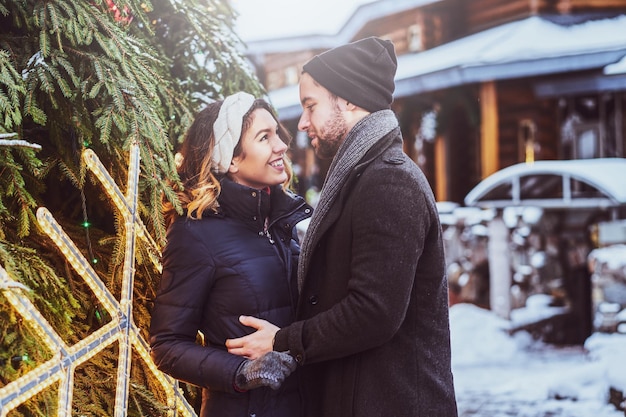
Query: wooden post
x,y
500,276
441,167
489,148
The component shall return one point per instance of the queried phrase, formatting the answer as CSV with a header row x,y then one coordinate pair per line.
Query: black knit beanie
x,y
361,72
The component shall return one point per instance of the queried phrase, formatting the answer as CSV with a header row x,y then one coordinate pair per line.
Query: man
x,y
372,332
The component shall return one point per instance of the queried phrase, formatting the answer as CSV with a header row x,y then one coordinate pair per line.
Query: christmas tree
x,y
108,76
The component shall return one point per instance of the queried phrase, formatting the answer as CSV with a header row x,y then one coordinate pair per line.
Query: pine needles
x,y
76,74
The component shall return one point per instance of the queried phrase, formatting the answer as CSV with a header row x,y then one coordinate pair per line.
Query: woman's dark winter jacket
x,y
372,334
216,269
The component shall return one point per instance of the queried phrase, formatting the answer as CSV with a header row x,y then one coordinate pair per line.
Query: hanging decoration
x,y
60,369
122,15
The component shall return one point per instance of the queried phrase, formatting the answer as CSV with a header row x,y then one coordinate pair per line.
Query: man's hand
x,y
256,344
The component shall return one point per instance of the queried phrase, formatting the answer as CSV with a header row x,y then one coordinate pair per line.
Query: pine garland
x,y
101,74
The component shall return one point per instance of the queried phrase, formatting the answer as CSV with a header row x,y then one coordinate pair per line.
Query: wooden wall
x,y
488,13
517,103
482,14
437,24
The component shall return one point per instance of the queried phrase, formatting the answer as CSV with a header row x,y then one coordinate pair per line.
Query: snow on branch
x,y
16,142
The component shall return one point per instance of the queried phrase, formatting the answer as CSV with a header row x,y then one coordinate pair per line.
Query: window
x,y
541,186
415,38
502,191
592,126
526,137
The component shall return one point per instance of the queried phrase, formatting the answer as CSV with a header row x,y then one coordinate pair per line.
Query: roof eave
x,y
461,75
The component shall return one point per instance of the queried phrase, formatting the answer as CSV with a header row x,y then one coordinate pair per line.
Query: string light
x,y
86,225
121,329
126,304
120,201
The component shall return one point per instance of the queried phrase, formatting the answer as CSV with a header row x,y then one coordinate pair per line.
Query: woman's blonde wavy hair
x,y
201,187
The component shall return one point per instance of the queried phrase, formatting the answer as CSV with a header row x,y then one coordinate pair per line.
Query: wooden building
x,y
484,85
481,84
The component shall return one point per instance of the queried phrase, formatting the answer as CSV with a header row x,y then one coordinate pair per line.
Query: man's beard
x,y
330,136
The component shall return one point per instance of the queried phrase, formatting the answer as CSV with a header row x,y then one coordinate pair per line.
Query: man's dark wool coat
x,y
372,335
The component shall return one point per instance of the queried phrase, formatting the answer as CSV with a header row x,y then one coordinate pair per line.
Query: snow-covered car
x,y
608,267
547,219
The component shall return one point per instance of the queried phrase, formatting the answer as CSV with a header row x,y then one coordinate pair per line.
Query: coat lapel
x,y
338,203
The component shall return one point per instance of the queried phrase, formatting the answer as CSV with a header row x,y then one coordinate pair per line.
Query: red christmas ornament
x,y
123,15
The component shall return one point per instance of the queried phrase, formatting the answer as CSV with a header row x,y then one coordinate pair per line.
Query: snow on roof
x,y
604,174
286,100
616,68
527,47
294,26
270,20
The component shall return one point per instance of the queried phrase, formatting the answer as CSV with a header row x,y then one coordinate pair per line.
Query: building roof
x,y
529,47
549,184
364,14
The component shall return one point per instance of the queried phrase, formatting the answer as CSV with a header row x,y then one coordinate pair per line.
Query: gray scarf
x,y
360,139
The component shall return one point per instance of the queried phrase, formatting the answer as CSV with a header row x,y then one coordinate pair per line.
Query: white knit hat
x,y
227,129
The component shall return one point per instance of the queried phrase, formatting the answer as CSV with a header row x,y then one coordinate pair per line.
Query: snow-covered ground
x,y
491,365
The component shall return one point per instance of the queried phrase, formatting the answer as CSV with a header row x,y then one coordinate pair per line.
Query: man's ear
x,y
350,106
353,113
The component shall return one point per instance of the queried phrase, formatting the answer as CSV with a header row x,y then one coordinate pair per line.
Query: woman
x,y
233,252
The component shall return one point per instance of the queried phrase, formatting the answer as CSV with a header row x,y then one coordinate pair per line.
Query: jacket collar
x,y
254,206
242,202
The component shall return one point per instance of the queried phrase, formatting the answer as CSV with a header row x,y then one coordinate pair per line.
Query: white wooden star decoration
x,y
60,369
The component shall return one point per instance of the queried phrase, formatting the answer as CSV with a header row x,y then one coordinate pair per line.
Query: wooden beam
x,y
482,13
596,4
489,146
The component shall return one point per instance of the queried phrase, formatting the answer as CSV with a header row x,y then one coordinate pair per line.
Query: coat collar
x,y
381,146
254,206
244,203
